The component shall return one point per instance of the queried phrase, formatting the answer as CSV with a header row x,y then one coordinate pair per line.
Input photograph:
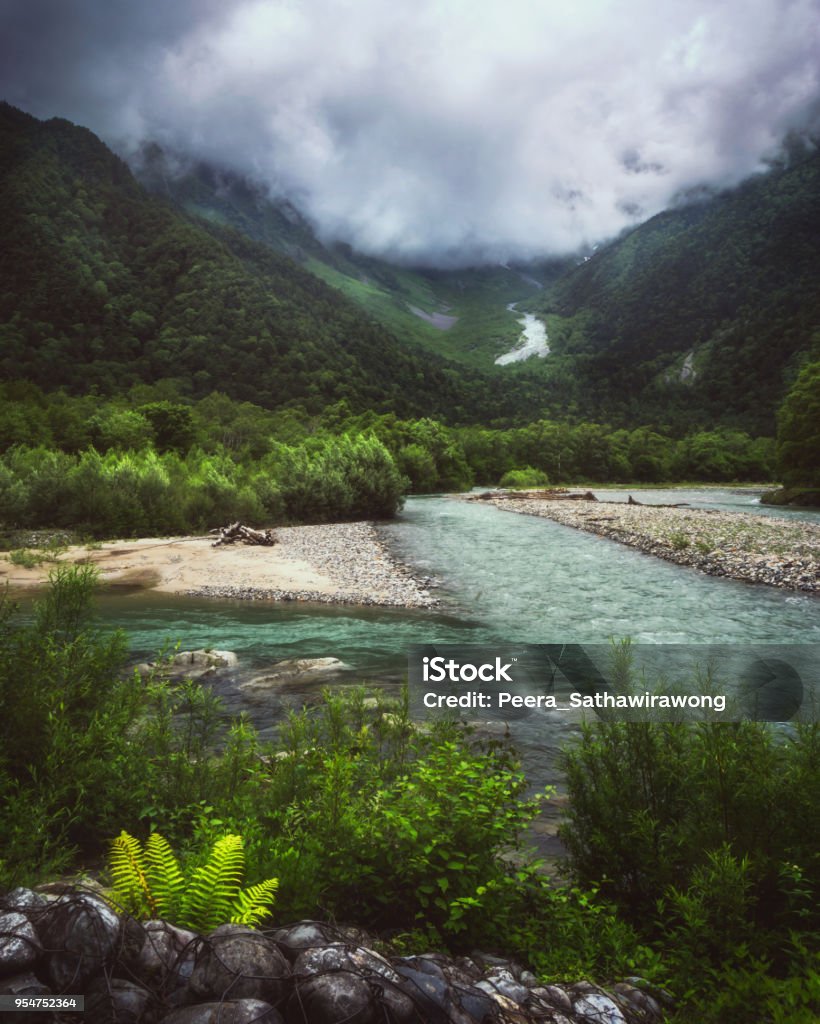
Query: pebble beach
x,y
742,546
336,563
353,556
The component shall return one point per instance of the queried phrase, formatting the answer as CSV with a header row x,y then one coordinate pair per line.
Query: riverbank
x,y
739,545
336,563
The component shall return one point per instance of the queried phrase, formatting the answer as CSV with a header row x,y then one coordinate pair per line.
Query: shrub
x,y
705,837
526,477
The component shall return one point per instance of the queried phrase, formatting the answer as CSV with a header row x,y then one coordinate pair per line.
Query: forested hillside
x,y
105,286
709,308
472,302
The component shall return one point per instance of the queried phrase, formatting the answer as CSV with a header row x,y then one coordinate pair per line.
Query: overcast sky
x,y
435,131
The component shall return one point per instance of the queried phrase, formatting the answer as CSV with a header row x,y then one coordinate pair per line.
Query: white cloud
x,y
455,130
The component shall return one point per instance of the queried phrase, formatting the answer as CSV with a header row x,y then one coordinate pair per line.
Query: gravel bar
x,y
354,556
755,549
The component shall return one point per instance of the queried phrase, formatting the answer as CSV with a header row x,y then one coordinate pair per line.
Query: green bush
x,y
705,837
86,747
65,708
526,477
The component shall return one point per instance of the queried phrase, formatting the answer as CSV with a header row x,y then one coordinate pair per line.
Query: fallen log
x,y
243,534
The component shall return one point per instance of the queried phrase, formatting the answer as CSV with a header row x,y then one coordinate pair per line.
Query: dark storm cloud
x,y
444,130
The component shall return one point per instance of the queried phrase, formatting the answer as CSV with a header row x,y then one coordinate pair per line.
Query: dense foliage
x,y
706,838
146,464
131,493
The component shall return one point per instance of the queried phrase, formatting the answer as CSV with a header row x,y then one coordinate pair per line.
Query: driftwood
x,y
557,495
244,534
553,494
680,504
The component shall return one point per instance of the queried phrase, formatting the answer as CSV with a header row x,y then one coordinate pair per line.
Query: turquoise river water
x,y
505,578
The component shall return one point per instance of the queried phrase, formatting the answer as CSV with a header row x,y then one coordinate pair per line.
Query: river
x,y
506,578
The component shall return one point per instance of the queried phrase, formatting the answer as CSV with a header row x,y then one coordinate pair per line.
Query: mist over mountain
x,y
450,134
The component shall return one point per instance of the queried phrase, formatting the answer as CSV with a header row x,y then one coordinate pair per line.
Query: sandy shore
x,y
757,549
339,563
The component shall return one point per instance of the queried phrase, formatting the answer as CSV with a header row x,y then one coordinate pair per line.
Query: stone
x,y
166,951
81,933
206,659
598,1008
397,1007
294,670
554,996
304,935
500,980
115,1001
237,962
339,957
26,984
642,1001
19,946
427,985
231,1011
337,998
22,900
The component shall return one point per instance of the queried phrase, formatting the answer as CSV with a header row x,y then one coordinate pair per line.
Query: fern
x,y
164,875
253,904
150,883
132,889
214,887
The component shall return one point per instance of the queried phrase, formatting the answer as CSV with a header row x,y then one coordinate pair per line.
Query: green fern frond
x,y
214,887
163,874
253,904
132,889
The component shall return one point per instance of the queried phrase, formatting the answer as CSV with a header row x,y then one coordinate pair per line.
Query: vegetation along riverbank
x,y
755,549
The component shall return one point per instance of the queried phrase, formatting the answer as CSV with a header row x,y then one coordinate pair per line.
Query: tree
x,y
798,430
173,425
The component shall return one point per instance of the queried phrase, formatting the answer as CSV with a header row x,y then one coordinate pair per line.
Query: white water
x,y
533,341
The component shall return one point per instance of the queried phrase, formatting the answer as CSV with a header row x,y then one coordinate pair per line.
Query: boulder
x,y
598,1008
237,962
24,900
501,980
115,1001
337,998
19,946
21,985
26,984
191,664
81,933
552,995
167,955
231,1011
292,671
340,957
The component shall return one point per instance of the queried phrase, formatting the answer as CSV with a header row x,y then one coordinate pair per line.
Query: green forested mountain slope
x,y
473,300
105,286
708,308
